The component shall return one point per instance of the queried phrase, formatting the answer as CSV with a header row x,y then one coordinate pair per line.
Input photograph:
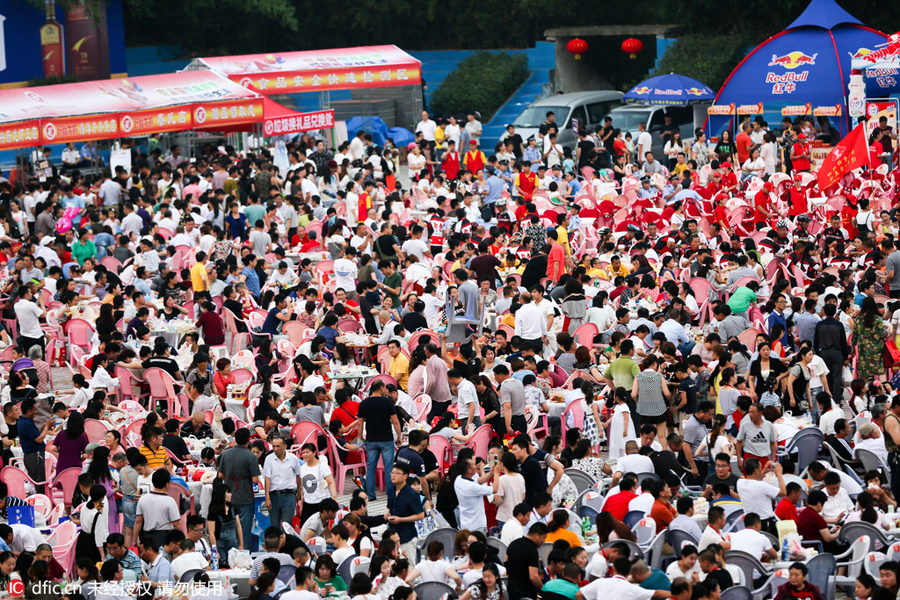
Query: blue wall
x,y
22,39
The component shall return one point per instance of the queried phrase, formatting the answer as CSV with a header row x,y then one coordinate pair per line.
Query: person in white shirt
x,y
188,560
306,589
871,439
515,527
645,500
617,587
28,314
751,540
713,532
686,566
838,503
471,492
684,522
757,493
632,462
473,127
427,127
416,246
466,399
531,324
132,222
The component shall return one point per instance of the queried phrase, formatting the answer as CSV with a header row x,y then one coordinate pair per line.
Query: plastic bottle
x,y
585,528
785,551
214,559
856,98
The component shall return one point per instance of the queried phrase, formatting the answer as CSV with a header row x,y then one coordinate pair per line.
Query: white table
x,y
237,407
239,577
556,409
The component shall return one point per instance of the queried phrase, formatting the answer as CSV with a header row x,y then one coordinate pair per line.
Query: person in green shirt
x,y
83,248
327,576
742,298
567,585
622,371
392,284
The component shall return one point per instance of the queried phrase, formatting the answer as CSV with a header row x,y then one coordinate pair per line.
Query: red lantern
x,y
577,47
632,46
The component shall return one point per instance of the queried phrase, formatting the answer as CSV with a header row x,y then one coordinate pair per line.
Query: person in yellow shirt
x,y
592,267
200,279
616,268
562,233
399,365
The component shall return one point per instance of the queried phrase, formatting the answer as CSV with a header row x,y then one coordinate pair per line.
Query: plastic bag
x,y
239,559
795,548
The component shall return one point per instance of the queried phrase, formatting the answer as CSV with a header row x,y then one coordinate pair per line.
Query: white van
x,y
628,117
588,108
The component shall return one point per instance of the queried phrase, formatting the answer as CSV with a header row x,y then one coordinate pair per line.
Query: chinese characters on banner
x,y
211,114
20,135
323,119
337,79
77,129
144,122
851,153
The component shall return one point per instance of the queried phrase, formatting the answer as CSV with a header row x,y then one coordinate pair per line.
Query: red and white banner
x,y
298,122
319,70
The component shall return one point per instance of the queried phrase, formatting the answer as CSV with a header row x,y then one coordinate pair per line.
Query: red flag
x,y
851,153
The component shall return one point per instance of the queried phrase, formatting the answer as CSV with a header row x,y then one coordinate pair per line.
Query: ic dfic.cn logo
x,y
16,588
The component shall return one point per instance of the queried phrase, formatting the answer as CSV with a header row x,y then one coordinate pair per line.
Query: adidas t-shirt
x,y
757,440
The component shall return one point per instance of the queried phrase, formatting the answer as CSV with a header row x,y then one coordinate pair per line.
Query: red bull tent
x,y
805,69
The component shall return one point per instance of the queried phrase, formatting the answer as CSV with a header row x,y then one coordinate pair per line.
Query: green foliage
x,y
52,80
481,82
706,58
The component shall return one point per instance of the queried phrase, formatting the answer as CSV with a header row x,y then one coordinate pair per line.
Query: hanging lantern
x,y
577,47
632,46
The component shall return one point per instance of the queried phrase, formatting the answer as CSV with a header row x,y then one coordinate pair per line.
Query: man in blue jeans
x,y
378,415
281,471
239,468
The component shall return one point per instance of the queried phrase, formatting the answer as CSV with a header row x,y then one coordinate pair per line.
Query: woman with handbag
x,y
798,395
94,526
765,376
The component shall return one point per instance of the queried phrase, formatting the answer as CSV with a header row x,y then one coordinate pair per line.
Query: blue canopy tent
x,y
669,90
806,64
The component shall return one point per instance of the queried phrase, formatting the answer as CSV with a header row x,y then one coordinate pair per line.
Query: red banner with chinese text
x,y
78,129
144,122
23,134
298,122
851,153
210,115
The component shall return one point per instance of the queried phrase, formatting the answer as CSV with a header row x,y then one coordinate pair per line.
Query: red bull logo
x,y
793,60
642,90
861,53
694,91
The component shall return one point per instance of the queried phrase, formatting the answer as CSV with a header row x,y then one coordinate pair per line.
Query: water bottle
x,y
585,528
785,552
431,524
420,528
214,559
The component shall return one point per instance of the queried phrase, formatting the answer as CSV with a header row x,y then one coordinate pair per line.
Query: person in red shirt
x,y
312,242
345,412
364,202
762,212
787,506
795,198
556,258
617,504
800,154
812,527
474,158
526,182
743,143
450,161
729,179
720,213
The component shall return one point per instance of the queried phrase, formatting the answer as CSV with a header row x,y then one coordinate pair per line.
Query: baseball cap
x,y
802,136
473,142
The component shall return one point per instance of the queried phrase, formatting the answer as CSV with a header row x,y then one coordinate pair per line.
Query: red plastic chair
x,y
440,447
585,334
294,330
177,492
80,332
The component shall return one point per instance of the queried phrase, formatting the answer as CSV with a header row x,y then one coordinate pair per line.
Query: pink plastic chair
x,y
480,441
577,412
231,322
440,447
414,338
586,333
95,431
306,432
243,376
162,387
339,468
129,385
66,481
80,333
423,403
15,479
294,330
131,438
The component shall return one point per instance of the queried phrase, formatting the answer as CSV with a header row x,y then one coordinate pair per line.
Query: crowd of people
x,y
530,328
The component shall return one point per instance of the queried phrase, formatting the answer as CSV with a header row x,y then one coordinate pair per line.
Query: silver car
x,y
586,108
